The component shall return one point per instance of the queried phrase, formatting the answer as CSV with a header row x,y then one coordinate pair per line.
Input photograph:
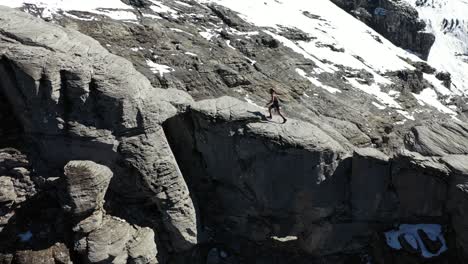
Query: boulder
x,y
87,183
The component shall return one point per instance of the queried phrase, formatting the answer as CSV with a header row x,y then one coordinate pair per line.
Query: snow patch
x,y
252,62
374,90
191,54
429,96
316,82
379,106
182,3
160,8
410,234
159,68
248,100
228,43
208,34
114,9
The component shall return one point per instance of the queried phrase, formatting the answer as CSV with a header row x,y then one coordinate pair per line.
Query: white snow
x,y
248,100
158,7
159,68
406,114
336,28
379,106
410,234
191,54
448,21
252,62
151,16
24,237
114,9
83,18
316,82
182,3
208,34
228,43
429,96
118,14
374,89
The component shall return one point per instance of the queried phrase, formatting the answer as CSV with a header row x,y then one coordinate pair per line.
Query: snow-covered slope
x,y
448,21
339,44
112,8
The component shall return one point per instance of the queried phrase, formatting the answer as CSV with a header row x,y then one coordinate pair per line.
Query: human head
x,y
272,91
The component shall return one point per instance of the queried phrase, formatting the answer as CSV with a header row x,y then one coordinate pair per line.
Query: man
x,y
274,104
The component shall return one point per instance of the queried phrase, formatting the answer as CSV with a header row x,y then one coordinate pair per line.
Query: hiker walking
x,y
274,104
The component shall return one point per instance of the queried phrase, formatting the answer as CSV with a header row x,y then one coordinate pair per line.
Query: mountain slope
x,y
369,144
448,21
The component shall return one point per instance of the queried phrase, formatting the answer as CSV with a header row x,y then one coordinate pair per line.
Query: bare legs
x,y
277,111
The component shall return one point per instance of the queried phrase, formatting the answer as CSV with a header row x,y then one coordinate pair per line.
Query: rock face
x,y
396,21
117,171
87,183
92,106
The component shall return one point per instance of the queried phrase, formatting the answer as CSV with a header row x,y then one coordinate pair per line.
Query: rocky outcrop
x,y
100,237
71,93
87,183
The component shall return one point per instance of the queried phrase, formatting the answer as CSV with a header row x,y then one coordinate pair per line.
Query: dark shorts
x,y
275,105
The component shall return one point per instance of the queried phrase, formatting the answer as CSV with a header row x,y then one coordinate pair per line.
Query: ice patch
x,y
410,234
24,237
159,68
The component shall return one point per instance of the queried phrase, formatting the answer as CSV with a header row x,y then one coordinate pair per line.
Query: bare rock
x,y
438,139
371,197
87,183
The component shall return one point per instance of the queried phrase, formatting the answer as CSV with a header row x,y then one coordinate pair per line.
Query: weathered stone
x,y
420,184
457,203
69,92
371,197
142,249
255,171
87,183
151,156
56,254
7,190
438,139
324,239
